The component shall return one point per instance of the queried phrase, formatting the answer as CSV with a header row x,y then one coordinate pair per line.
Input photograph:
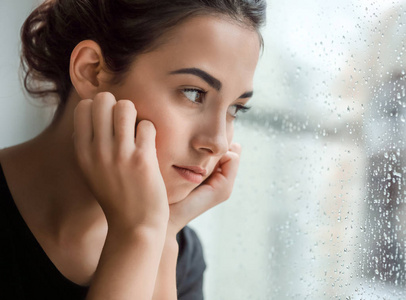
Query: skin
x,y
107,203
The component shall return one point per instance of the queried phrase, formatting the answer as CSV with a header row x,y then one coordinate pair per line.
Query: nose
x,y
212,136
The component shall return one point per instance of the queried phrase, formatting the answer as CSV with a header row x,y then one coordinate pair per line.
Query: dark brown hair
x,y
122,28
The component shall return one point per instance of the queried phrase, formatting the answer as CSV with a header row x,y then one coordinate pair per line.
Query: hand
x,y
122,172
214,190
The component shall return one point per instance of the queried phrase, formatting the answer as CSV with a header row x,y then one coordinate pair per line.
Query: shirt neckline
x,y
23,228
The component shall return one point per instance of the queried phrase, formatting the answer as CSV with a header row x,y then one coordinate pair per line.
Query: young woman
x,y
96,206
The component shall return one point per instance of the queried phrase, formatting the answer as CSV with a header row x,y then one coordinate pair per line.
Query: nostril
x,y
207,150
213,138
216,147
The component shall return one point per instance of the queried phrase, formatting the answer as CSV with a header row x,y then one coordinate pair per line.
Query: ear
x,y
87,69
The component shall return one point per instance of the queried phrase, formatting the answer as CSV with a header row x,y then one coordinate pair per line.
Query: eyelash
x,y
239,107
242,108
201,93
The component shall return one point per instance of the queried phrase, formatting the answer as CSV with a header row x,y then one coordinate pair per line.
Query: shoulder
x,y
190,266
188,240
2,153
10,161
190,251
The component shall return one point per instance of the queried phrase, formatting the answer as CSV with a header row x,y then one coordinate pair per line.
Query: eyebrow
x,y
212,81
246,95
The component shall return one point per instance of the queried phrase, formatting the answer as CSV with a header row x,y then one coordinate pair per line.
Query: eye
x,y
234,110
194,95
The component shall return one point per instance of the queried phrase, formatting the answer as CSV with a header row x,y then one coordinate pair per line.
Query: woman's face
x,y
190,88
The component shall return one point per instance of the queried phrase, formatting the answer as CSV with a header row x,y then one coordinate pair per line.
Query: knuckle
x,y
142,162
125,105
101,155
124,113
224,197
227,196
234,156
147,126
104,98
235,147
81,155
140,159
227,191
121,156
83,105
85,102
120,124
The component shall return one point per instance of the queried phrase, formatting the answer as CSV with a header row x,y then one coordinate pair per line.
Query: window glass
x,y
318,210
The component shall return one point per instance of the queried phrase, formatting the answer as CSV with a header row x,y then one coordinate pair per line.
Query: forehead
x,y
219,46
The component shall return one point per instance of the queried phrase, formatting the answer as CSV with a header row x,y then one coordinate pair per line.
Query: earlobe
x,y
86,68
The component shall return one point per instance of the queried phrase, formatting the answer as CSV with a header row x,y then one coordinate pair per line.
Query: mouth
x,y
194,174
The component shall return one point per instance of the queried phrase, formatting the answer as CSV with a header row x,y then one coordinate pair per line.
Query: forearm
x,y
128,265
165,287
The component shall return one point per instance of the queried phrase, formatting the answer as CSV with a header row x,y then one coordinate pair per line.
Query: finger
x,y
221,184
229,164
146,134
124,123
235,147
102,116
82,124
198,201
217,189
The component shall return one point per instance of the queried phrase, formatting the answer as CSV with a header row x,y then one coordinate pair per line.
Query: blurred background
x,y
318,210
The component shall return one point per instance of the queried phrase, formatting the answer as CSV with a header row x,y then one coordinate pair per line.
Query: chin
x,y
178,195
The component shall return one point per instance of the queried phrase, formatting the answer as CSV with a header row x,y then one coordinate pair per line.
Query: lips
x,y
194,174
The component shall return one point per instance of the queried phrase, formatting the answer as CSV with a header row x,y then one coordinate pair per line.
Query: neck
x,y
62,197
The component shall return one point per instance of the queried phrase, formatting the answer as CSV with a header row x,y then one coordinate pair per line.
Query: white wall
x,y
20,118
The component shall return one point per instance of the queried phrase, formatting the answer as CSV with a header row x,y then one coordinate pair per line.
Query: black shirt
x,y
26,272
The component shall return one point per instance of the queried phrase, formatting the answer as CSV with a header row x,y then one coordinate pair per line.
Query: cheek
x,y
163,145
171,146
170,137
230,133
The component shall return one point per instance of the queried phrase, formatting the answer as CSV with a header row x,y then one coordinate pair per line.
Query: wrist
x,y
134,224
137,232
171,241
